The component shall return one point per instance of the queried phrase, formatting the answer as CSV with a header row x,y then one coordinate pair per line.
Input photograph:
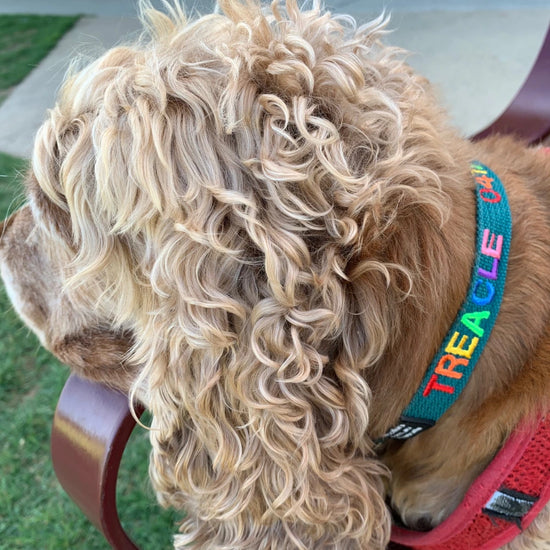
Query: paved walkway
x,y
23,111
477,59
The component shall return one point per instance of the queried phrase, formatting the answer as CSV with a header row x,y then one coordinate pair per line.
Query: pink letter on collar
x,y
487,248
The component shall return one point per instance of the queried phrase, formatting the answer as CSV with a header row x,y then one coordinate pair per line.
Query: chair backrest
x,y
528,114
91,427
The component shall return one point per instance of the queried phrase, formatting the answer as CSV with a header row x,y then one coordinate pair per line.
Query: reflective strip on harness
x,y
509,505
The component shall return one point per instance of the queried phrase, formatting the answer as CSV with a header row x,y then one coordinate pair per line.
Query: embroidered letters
x,y
454,362
463,343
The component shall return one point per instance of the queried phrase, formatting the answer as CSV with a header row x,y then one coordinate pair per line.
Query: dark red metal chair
x,y
92,423
528,115
91,427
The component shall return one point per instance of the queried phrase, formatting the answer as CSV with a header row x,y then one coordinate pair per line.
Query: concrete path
x,y
23,111
476,58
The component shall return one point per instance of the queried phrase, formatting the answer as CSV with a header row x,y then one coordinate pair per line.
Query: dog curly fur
x,y
261,225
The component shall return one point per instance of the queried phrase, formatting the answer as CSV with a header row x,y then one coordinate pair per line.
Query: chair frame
x,y
91,427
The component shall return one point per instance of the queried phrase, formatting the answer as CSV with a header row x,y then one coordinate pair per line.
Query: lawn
x,y
24,41
34,510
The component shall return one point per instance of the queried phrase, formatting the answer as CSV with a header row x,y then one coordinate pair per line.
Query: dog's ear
x,y
97,353
257,348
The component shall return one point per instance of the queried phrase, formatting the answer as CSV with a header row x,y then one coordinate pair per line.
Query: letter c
x,y
479,301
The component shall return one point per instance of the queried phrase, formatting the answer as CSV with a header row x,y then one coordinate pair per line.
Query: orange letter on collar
x,y
450,370
485,180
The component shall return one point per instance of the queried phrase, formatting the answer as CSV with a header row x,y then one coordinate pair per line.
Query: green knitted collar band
x,y
454,363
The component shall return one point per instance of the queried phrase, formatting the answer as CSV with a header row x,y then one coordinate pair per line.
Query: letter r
x,y
449,371
433,384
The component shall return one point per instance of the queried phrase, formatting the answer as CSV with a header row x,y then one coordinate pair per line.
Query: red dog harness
x,y
501,503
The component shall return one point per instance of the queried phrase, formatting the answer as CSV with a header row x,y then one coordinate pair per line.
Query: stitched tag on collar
x,y
453,364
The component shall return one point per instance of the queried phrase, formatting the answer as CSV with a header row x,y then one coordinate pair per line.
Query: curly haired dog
x,y
261,225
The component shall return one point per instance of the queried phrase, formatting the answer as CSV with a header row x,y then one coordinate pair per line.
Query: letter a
x,y
473,321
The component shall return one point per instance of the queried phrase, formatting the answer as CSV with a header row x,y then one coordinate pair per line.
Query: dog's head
x,y
242,216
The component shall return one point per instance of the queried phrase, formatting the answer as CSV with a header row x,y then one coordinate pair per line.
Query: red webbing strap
x,y
522,465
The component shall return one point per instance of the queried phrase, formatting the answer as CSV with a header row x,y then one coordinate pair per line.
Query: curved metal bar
x,y
90,430
528,114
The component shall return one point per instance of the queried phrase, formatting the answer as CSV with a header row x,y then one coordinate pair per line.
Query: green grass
x,y
34,510
24,41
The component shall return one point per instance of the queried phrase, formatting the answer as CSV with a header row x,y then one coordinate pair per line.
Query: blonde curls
x,y
231,182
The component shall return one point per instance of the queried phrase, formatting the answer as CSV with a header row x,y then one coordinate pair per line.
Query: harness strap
x,y
501,503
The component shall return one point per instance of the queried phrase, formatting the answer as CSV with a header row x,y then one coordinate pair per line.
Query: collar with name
x,y
455,360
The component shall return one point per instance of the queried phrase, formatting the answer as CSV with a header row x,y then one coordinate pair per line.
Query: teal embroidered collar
x,y
454,363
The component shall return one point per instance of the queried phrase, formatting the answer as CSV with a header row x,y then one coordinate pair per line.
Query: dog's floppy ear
x,y
257,349
97,353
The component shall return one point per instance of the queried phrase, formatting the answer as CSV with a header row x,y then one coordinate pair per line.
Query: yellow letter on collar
x,y
459,350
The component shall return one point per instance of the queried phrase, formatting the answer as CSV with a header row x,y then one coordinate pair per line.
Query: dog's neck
x,y
425,322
